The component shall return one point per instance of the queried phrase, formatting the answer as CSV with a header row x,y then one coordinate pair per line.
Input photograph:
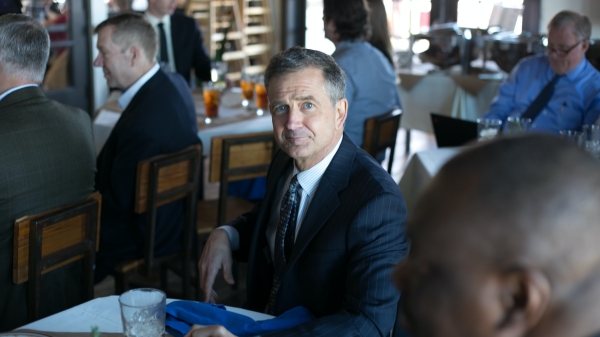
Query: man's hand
x,y
208,331
216,255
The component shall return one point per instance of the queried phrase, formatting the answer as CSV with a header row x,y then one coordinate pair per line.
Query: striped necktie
x,y
284,239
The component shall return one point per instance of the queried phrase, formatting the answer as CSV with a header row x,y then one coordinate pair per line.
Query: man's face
x,y
447,288
160,8
565,49
306,125
116,63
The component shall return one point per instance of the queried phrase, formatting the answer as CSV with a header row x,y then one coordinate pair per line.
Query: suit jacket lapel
x,y
326,200
176,34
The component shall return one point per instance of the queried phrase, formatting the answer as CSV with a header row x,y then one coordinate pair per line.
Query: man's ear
x,y
525,298
341,112
134,53
585,45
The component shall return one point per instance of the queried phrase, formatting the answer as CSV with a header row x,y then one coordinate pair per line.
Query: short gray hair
x,y
299,58
132,29
581,24
24,47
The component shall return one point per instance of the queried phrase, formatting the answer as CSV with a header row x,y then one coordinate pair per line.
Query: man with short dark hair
x,y
504,242
331,224
155,120
179,41
370,79
47,160
557,91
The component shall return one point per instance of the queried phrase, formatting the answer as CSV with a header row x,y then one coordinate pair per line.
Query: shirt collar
x,y
11,90
309,179
154,21
127,96
348,43
573,74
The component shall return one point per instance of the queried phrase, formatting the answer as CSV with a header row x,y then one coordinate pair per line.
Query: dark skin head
x,y
504,244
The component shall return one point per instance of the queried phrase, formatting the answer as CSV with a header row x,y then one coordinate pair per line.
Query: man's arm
x,y
504,103
200,61
593,113
376,242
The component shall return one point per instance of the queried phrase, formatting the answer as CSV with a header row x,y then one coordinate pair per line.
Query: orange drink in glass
x,y
262,99
247,89
211,100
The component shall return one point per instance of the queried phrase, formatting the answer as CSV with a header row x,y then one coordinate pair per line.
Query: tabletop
x,y
104,313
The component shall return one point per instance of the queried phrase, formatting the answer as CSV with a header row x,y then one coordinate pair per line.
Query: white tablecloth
x,y
458,96
104,313
421,168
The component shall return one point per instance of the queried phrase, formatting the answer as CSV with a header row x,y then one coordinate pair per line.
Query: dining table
x,y
103,313
233,118
421,168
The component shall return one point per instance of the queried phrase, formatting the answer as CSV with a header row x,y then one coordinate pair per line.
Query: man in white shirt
x,y
179,40
331,224
155,120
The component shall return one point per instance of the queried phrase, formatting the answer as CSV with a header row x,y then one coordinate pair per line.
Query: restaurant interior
x,y
459,52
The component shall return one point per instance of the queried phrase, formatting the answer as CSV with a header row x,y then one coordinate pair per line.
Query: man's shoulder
x,y
179,19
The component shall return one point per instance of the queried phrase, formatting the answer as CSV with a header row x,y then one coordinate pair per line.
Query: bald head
x,y
500,224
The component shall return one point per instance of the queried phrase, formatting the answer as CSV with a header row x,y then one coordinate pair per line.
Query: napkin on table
x,y
181,315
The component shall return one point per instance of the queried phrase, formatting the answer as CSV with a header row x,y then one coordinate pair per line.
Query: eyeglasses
x,y
563,52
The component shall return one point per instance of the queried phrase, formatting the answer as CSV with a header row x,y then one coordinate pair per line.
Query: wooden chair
x,y
161,180
233,158
52,239
380,133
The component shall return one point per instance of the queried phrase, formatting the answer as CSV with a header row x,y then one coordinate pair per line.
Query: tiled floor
x,y
236,297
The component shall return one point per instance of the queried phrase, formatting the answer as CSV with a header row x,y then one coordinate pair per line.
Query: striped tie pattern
x,y
286,230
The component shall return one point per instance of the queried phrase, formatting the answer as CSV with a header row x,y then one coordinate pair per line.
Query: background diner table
x,y
421,168
105,313
233,118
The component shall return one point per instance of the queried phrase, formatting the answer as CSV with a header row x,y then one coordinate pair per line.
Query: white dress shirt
x,y
309,181
127,96
4,94
166,21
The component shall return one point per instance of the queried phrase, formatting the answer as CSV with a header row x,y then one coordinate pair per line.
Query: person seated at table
x,y
47,161
154,121
332,223
180,41
10,6
557,91
511,248
370,79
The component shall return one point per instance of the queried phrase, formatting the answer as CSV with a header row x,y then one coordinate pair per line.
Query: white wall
x,y
591,8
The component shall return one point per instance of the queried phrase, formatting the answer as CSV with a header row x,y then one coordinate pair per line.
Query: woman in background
x,y
380,34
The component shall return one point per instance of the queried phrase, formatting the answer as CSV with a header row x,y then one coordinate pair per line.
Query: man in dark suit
x,y
331,225
10,6
47,160
155,120
504,243
179,40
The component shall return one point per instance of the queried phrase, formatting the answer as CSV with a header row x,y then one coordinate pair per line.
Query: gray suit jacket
x,y
47,160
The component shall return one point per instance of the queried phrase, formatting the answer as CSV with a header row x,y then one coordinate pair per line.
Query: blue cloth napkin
x,y
181,315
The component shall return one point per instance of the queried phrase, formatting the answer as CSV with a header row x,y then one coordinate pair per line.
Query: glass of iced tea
x,y
247,90
212,96
262,99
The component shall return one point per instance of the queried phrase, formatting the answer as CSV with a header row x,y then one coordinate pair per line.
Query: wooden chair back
x,y
163,179
52,239
380,133
238,157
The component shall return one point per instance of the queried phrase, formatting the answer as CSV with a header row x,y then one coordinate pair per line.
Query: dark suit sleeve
x,y
245,224
200,61
376,242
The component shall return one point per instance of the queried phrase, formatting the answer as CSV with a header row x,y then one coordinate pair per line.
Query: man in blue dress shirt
x,y
370,79
575,100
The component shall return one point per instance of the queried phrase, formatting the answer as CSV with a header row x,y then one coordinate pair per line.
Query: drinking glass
x,y
262,99
575,137
212,96
143,312
488,128
247,89
591,140
518,125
